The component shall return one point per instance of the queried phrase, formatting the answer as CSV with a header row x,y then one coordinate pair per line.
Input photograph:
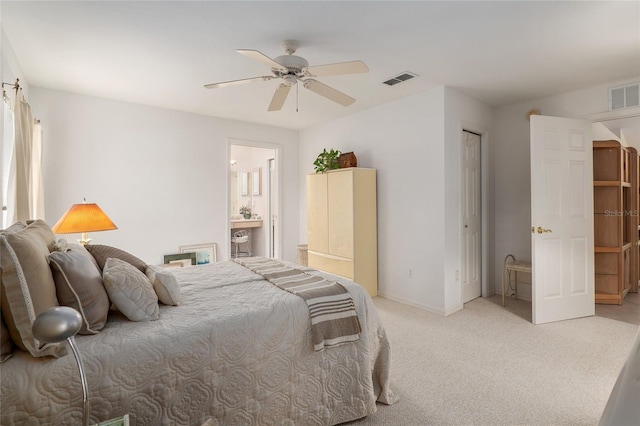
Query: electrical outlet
x,y
410,272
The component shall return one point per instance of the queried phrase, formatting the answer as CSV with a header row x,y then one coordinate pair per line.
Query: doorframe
x,y
485,197
270,204
278,154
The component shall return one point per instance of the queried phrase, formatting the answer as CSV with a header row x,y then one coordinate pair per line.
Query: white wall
x,y
512,168
10,70
465,113
415,150
9,66
161,175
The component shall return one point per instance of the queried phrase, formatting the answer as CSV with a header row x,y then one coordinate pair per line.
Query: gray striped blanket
x,y
334,320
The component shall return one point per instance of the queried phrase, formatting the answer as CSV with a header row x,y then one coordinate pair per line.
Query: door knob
x,y
541,230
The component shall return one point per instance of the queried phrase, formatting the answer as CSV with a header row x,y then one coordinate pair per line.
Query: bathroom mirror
x,y
239,191
256,181
244,184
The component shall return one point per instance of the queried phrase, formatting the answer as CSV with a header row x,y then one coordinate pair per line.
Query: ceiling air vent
x,y
400,78
624,97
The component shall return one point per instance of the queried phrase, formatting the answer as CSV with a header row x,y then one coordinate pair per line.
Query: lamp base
x,y
85,239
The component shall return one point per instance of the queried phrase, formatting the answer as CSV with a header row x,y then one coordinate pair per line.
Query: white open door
x,y
561,219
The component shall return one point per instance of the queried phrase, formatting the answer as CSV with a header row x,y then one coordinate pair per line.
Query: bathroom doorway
x,y
253,199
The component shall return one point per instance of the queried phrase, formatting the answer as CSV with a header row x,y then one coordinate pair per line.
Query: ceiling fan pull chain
x,y
297,88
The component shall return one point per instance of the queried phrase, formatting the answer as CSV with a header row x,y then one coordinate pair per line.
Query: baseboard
x,y
454,309
422,306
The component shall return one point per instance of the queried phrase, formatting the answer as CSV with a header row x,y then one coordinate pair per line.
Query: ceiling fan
x,y
293,69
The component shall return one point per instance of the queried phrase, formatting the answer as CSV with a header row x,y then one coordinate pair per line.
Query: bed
x,y
236,351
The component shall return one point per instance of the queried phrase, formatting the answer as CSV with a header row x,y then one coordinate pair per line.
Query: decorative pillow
x,y
130,290
102,253
18,226
6,345
165,285
82,249
79,285
60,245
27,285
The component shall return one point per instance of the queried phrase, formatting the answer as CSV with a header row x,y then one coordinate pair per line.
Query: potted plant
x,y
327,160
246,212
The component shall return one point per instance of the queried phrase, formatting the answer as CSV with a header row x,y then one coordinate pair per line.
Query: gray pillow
x,y
165,285
27,285
102,253
79,285
84,251
130,290
6,344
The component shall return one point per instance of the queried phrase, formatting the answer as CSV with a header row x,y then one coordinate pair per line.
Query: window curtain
x,y
8,165
29,197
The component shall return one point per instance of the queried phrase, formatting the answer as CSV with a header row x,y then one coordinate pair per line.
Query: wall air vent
x,y
400,78
624,97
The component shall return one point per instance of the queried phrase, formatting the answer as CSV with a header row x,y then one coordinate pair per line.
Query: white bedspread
x,y
237,350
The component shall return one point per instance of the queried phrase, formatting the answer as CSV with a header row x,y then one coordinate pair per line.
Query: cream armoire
x,y
342,224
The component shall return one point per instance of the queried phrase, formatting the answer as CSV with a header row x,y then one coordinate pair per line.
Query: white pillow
x,y
130,290
165,285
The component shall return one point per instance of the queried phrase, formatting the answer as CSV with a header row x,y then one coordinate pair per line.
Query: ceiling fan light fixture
x,y
293,69
289,80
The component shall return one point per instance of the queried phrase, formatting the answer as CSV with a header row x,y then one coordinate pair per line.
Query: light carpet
x,y
489,365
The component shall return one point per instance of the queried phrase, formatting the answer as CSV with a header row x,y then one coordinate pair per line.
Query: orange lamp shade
x,y
86,217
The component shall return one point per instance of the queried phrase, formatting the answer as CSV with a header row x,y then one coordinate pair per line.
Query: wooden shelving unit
x,y
615,195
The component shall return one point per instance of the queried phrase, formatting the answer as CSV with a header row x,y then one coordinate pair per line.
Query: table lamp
x,y
55,325
83,218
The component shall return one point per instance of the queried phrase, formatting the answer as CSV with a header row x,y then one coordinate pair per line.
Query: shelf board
x,y
606,183
607,249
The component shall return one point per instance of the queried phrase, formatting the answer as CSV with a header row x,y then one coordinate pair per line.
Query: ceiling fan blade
x,y
328,92
236,82
279,97
261,57
353,67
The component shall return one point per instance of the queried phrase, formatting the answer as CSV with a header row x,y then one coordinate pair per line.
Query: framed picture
x,y
256,181
180,263
205,253
180,258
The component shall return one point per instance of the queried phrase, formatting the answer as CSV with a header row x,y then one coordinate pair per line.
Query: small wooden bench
x,y
511,264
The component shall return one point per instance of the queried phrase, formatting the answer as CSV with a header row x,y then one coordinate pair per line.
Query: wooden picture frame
x,y
180,258
205,253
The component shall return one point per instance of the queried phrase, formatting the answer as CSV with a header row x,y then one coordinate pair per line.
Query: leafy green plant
x,y
326,160
246,212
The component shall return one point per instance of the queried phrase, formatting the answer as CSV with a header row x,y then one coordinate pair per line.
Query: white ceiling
x,y
162,53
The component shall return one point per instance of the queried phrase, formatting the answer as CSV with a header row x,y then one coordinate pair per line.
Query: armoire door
x,y
340,205
317,214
